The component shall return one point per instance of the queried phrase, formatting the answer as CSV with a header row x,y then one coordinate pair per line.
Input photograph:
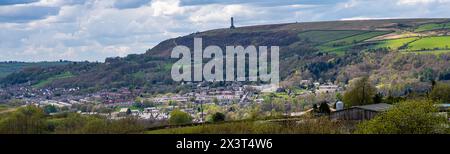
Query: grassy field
x,y
303,126
327,36
49,80
358,38
430,43
341,45
432,26
394,44
8,68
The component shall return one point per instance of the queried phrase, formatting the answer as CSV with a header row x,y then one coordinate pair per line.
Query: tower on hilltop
x,y
232,23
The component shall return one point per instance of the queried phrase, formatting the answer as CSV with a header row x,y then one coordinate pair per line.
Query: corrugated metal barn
x,y
359,113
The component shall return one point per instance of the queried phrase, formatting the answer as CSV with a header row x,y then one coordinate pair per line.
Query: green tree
x,y
315,108
50,109
339,96
172,103
94,126
324,108
138,105
218,117
215,101
360,92
71,124
128,125
26,120
148,103
378,98
178,117
441,93
407,117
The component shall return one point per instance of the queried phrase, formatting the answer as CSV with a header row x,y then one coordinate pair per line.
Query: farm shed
x,y
359,113
443,107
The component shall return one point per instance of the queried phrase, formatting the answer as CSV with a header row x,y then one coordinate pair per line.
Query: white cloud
x,y
420,2
166,7
96,29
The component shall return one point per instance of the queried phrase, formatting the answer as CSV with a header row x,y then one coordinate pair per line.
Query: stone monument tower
x,y
232,23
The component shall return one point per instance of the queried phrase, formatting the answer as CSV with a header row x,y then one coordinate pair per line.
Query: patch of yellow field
x,y
395,35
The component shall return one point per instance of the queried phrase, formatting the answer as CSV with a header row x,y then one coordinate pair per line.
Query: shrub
x,y
324,108
307,125
50,109
178,117
407,117
218,117
441,93
26,120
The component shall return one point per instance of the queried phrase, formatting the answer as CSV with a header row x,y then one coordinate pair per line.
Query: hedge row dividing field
x,y
440,44
395,44
341,45
430,43
433,26
323,36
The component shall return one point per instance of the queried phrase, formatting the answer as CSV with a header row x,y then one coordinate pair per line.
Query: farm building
x,y
443,107
359,113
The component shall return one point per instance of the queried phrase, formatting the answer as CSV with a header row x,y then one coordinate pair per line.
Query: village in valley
x,y
355,83
123,102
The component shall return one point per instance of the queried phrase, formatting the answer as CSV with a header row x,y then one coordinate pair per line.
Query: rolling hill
x,y
7,68
336,51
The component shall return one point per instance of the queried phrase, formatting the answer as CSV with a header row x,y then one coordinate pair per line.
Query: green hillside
x,y
47,81
327,36
335,51
432,26
342,45
395,44
7,68
430,43
358,38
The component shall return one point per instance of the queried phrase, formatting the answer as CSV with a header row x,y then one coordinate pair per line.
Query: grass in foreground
x,y
302,126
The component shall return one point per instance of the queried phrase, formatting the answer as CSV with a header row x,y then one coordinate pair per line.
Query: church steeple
x,y
232,23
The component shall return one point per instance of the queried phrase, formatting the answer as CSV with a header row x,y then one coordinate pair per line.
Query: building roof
x,y
375,107
123,110
443,107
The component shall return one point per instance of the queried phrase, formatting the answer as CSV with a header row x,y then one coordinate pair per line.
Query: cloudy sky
x,y
39,30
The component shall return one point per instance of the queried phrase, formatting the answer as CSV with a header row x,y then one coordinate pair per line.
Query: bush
x,y
407,117
218,117
32,120
26,120
324,108
79,124
441,93
178,117
50,109
308,125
